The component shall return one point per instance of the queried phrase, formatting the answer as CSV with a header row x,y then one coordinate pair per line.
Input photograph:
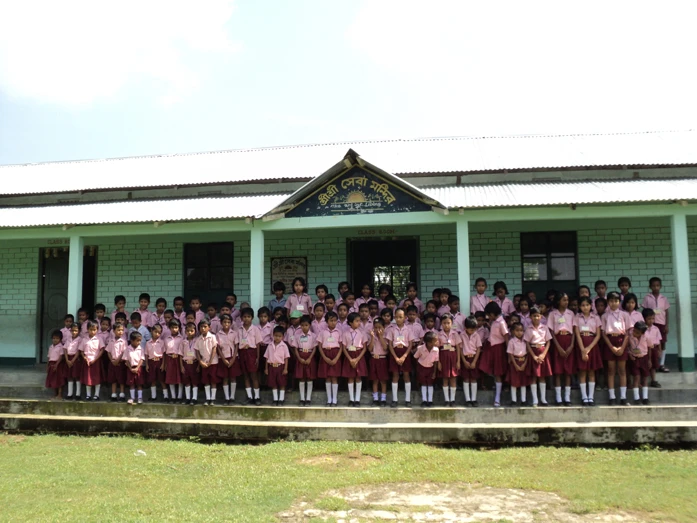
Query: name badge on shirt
x,y
190,354
585,328
303,339
299,307
658,311
400,339
352,348
330,339
447,346
617,324
243,341
561,320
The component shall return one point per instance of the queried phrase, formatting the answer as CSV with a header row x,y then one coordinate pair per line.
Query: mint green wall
x,y
19,280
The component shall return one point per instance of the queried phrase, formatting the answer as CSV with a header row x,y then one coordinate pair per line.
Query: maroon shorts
x,y
173,374
347,371
639,367
248,360
116,373
56,374
655,355
616,342
469,374
276,379
209,375
155,374
75,372
519,378
305,372
662,330
448,363
92,374
496,362
406,366
190,376
231,372
595,358
378,369
540,370
560,364
135,380
329,371
424,374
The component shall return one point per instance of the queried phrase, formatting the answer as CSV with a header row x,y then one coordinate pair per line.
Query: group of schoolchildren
x,y
521,342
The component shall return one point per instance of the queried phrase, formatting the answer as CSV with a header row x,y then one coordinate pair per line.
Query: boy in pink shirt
x,y
277,356
660,305
249,338
639,360
155,363
179,312
399,342
116,371
213,318
134,357
229,364
318,323
305,362
91,350
143,304
207,352
469,359
174,350
120,306
195,304
68,321
427,361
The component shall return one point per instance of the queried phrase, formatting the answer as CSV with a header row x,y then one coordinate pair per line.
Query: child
x,y
469,358
518,365
412,291
249,337
443,307
155,363
600,307
279,291
349,298
378,363
600,290
653,337
588,357
134,357
573,305
213,319
639,360
231,300
229,364
373,310
417,331
116,371
99,312
480,299
561,325
524,312
83,318
179,312
159,315
366,294
391,303
266,330
615,327
342,311
189,366
458,317
538,339
342,288
530,295
449,348
299,300
545,308
516,301
105,333
384,291
318,323
195,305
74,361
495,360
427,356
629,304
68,321
656,301
366,323
322,292
330,303
55,373
624,284
500,292
399,340
174,350
207,353
354,346
277,356
306,365
91,350
120,306
143,304
330,354
137,326
168,316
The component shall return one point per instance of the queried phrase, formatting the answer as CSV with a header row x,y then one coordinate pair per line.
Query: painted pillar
x,y
683,309
463,262
75,257
256,268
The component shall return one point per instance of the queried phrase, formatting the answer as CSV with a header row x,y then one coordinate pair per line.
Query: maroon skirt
x,y
496,362
560,364
639,367
329,371
116,373
75,372
276,379
56,374
540,370
519,378
378,368
404,367
448,363
361,367
469,374
595,359
616,342
424,374
209,375
173,373
155,374
92,374
248,360
231,372
135,380
190,376
305,372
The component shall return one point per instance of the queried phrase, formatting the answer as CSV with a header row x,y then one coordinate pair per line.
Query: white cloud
x,y
74,52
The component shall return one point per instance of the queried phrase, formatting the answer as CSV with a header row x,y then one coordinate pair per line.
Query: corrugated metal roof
x,y
139,211
541,194
421,155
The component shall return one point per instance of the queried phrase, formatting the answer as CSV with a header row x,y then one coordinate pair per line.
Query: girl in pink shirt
x,y
518,364
189,366
659,304
561,325
91,350
73,361
318,323
116,371
366,295
443,307
155,363
228,363
500,292
639,359
299,300
207,352
469,358
588,357
427,365
354,345
495,361
174,349
538,340
134,356
398,338
479,300
306,364
615,328
449,348
630,307
378,372
330,354
524,313
55,373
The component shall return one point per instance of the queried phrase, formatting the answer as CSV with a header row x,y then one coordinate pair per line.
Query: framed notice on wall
x,y
286,268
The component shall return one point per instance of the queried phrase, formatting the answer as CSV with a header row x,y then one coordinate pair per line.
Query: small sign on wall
x,y
286,268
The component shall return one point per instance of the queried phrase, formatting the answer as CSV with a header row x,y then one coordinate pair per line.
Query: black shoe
x,y
232,400
383,403
611,401
591,403
69,398
281,403
424,404
228,403
275,403
655,385
356,403
88,398
430,404
257,402
114,399
308,403
514,404
624,403
376,403
329,404
544,404
335,405
250,401
474,403
212,403
567,404
122,399
559,403
393,405
645,402
407,404
350,403
193,402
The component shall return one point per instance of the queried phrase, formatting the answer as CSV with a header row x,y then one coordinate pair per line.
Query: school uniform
x,y
144,316
157,319
342,325
181,316
235,315
458,321
654,337
190,375
318,326
538,337
443,309
154,352
144,332
401,344
91,370
302,303
417,303
562,327
83,331
289,336
615,324
305,344
659,304
519,350
634,317
56,368
276,356
329,343
449,352
132,358
640,364
494,360
227,344
588,328
72,348
470,346
425,361
215,325
113,316
525,320
248,340
417,331
206,348
66,335
354,341
174,349
116,371
367,327
507,307
478,302
378,369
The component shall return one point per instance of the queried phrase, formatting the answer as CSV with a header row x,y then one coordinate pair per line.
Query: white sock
x,y
611,393
195,393
309,391
452,393
89,391
636,394
429,390
249,392
70,388
78,386
329,391
514,394
233,389
282,395
383,396
584,394
376,396
335,392
153,393
113,394
466,389
424,393
533,392
122,395
644,393
302,391
140,394
207,388
256,394
173,389
275,394
474,391
226,391
359,386
523,392
165,393
187,388
497,397
180,391
591,390
567,394
557,393
97,388
133,394
407,392
623,393
543,391
446,394
395,386
214,392
663,359
350,389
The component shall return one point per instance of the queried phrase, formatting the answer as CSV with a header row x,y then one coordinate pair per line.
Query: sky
x,y
82,79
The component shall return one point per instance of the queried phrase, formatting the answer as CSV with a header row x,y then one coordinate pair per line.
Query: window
x,y
208,271
549,261
396,276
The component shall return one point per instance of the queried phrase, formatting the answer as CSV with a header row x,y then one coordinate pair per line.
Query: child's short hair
x,y
492,308
305,319
470,323
330,315
641,327
387,310
412,308
247,311
390,297
204,321
120,316
430,337
118,326
647,313
135,335
599,282
278,330
342,304
174,322
347,294
81,309
319,305
585,299
613,296
514,318
341,284
482,314
524,299
178,298
212,305
161,300
534,310
189,312
412,285
372,302
363,306
227,317
452,299
480,280
329,297
278,286
578,291
547,303
378,321
624,279
263,310
322,287
282,310
68,317
232,294
195,297
655,279
500,285
515,325
168,311
99,307
370,287
352,317
157,326
106,319
434,303
57,334
600,300
144,296
385,287
445,290
136,316
192,325
119,298
446,316
429,316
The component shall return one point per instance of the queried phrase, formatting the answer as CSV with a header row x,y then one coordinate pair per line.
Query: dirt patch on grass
x,y
355,460
11,439
432,502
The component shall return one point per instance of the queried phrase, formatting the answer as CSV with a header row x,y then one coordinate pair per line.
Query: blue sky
x,y
99,79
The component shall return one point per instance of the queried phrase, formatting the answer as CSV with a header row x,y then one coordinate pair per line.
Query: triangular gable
x,y
353,186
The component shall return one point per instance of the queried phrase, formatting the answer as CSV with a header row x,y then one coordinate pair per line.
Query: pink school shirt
x,y
67,335
83,330
426,358
417,303
181,316
249,338
559,322
483,333
145,316
277,354
354,338
537,336
506,305
199,316
113,316
517,347
470,344
641,344
55,352
443,309
330,339
591,324
525,320
365,328
498,331
615,322
653,335
156,320
342,325
189,350
400,337
155,349
290,336
659,304
459,321
452,338
105,336
90,347
306,342
301,303
478,302
116,348
417,331
378,348
215,325
267,332
133,356
318,326
72,347
205,345
634,317
175,345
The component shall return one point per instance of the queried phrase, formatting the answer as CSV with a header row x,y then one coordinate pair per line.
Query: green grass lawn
x,y
54,478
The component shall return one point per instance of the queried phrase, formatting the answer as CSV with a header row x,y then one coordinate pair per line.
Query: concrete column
x,y
683,294
256,268
463,263
77,245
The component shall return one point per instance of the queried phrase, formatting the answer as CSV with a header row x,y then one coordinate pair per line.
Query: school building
x,y
537,212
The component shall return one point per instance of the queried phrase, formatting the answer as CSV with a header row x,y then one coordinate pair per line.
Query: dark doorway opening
x,y
378,261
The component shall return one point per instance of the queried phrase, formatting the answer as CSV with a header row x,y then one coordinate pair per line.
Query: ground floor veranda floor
x,y
45,273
